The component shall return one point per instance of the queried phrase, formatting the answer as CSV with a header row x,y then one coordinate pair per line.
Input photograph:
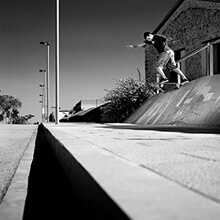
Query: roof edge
x,y
170,13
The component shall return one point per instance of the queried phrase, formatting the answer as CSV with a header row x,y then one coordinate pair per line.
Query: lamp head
x,y
44,44
42,70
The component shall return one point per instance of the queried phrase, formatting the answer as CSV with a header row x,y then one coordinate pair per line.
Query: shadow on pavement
x,y
182,129
49,196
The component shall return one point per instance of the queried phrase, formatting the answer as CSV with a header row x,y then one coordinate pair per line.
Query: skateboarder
x,y
166,55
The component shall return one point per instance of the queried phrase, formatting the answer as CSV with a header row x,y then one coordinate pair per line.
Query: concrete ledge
x,y
109,187
95,203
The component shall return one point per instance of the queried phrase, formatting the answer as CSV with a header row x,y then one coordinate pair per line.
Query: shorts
x,y
166,60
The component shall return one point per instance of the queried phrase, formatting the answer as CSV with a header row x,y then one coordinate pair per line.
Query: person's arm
x,y
139,45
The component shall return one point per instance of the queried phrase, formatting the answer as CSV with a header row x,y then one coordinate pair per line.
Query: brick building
x,y
193,23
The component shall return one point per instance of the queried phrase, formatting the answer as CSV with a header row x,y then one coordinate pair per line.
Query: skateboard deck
x,y
170,83
178,85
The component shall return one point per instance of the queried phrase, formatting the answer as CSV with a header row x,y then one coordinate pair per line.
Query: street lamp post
x,y
57,63
43,102
44,94
47,45
42,117
42,108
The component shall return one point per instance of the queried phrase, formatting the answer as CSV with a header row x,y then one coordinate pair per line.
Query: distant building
x,y
192,23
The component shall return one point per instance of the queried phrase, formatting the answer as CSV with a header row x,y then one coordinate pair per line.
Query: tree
x,y
22,119
8,106
125,98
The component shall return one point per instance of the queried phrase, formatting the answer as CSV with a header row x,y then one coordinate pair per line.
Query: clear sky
x,y
93,39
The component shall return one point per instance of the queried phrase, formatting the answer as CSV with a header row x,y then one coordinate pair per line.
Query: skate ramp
x,y
196,104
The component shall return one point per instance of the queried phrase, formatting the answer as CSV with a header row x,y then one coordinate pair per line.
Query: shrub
x,y
128,94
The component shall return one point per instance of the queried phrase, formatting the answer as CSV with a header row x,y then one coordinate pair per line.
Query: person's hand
x,y
129,46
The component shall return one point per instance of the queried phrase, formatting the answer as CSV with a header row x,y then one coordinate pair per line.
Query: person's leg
x,y
173,66
161,62
159,69
179,72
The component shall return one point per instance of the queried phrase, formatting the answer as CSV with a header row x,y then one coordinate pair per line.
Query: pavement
x,y
141,172
16,153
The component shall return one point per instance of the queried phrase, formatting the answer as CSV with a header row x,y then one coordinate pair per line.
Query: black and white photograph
x,y
109,110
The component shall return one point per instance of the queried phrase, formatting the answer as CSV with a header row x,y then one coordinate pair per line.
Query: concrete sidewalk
x,y
149,174
126,171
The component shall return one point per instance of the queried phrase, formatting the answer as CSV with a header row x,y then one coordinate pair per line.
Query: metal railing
x,y
194,52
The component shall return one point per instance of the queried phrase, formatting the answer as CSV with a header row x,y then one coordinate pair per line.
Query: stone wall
x,y
191,24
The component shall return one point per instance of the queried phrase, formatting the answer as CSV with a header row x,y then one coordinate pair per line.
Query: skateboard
x,y
159,86
178,85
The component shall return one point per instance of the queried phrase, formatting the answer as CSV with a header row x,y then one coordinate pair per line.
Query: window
x,y
211,58
216,58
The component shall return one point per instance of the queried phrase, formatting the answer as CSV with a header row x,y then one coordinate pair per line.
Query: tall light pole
x,y
42,102
47,45
44,94
57,64
42,108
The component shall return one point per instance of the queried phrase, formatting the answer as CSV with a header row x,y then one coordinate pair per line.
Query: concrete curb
x,y
95,202
110,187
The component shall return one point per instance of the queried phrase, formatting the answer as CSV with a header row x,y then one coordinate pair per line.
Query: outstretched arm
x,y
139,45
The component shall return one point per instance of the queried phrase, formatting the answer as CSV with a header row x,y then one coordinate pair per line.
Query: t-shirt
x,y
159,42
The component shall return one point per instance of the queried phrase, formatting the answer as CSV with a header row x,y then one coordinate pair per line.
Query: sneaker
x,y
164,80
184,81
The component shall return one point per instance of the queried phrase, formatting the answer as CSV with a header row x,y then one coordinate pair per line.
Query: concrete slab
x,y
147,174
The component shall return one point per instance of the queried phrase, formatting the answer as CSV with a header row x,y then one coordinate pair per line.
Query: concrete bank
x,y
121,172
194,104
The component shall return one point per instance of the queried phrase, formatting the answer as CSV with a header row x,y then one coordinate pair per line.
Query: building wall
x,y
191,24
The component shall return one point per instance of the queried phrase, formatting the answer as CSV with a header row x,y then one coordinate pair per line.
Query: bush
x,y
125,98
